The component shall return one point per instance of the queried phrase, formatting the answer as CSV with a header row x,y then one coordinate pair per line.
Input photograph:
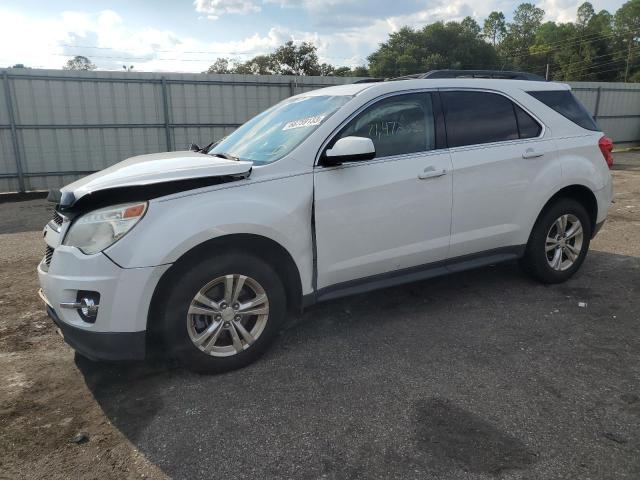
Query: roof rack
x,y
370,80
501,74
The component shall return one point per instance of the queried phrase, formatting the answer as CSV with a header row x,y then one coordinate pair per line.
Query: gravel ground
x,y
483,374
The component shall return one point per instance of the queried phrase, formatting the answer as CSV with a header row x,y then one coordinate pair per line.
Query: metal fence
x,y
616,107
56,126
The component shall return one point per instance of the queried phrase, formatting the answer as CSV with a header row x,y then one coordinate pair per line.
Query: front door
x,y
389,213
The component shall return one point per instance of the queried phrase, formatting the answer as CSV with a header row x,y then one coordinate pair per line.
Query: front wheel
x,y
559,242
223,312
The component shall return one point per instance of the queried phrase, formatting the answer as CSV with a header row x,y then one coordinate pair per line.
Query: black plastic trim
x,y
413,274
326,161
440,125
133,193
110,346
597,228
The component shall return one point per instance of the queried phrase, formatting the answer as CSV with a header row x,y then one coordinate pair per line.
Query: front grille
x,y
57,218
48,254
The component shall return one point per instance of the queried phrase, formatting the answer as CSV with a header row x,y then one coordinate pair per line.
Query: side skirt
x,y
414,274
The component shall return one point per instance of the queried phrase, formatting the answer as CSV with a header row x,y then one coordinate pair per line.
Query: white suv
x,y
329,193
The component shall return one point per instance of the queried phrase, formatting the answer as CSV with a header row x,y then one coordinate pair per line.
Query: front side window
x,y
272,134
397,125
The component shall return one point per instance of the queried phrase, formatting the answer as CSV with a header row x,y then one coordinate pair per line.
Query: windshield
x,y
278,130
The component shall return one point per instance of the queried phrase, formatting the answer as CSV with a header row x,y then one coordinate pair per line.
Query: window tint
x,y
563,102
397,125
527,126
478,117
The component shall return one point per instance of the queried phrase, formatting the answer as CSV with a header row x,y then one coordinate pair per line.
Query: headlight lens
x,y
95,231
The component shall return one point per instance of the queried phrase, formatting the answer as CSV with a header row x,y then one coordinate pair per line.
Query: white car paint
x,y
156,168
371,217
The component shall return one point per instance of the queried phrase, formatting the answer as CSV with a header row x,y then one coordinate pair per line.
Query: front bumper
x,y
118,331
101,345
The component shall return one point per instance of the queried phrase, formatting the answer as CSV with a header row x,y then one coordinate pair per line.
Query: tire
x,y
545,265
187,319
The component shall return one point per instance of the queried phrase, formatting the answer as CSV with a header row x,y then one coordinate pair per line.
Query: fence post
x,y
292,88
165,105
14,133
597,108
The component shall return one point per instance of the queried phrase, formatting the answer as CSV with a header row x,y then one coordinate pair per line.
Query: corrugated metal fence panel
x,y
4,114
616,107
70,123
587,97
7,156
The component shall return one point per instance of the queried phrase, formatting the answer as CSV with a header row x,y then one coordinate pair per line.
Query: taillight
x,y
606,146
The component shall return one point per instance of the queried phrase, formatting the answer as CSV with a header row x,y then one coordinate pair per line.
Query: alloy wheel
x,y
564,242
227,315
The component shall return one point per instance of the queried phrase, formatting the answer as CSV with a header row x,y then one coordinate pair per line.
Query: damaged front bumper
x,y
99,345
117,330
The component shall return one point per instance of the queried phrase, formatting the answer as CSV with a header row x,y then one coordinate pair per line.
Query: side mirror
x,y
194,148
350,149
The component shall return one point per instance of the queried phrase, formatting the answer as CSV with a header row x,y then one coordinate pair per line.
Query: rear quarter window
x,y
567,105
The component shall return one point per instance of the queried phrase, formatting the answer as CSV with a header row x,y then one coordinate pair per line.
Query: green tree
x,y
439,45
520,37
495,27
288,59
584,15
79,62
259,65
577,51
360,71
470,26
221,65
292,59
627,27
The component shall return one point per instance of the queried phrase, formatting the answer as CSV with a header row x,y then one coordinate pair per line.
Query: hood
x,y
163,173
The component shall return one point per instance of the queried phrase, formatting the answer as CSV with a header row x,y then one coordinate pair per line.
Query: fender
x,y
577,170
278,209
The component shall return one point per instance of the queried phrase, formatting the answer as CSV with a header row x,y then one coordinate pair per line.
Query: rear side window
x,y
479,117
527,126
563,102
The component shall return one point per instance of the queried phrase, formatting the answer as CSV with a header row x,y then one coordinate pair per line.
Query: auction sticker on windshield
x,y
304,122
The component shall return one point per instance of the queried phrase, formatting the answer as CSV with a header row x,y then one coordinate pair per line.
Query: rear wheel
x,y
223,312
559,242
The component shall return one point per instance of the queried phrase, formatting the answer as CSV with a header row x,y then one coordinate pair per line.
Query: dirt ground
x,y
47,397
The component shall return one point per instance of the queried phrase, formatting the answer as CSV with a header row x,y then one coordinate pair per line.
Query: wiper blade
x,y
226,156
205,149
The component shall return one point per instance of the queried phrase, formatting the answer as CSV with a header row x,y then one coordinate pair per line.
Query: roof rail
x,y
370,80
501,74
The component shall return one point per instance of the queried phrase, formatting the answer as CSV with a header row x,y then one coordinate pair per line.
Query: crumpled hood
x,y
152,169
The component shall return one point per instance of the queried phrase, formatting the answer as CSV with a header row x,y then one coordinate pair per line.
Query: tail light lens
x,y
606,146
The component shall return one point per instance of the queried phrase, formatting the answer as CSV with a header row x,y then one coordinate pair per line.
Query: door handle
x,y
531,153
431,172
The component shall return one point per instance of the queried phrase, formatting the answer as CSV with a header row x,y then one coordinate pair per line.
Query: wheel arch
x,y
581,193
270,250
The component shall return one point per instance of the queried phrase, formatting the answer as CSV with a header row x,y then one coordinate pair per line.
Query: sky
x,y
188,35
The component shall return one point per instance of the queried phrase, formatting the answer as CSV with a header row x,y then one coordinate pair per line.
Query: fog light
x,y
86,304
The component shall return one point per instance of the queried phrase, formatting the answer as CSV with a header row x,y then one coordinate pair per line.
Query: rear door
x,y
497,150
394,211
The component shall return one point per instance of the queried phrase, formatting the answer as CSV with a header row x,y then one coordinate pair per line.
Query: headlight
x,y
95,231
